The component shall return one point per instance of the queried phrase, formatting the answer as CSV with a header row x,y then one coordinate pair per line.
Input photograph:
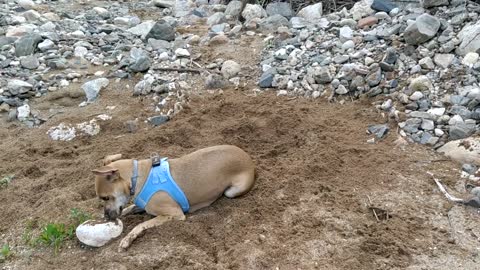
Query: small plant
x,y
54,234
78,216
27,235
5,181
5,253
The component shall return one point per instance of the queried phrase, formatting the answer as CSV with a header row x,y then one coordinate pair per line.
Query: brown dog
x,y
203,176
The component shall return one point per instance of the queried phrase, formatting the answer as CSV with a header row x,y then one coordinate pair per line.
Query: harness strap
x,y
134,177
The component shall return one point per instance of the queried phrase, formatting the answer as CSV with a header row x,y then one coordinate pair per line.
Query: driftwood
x,y
474,202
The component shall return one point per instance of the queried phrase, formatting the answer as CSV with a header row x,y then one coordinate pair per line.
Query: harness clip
x,y
155,159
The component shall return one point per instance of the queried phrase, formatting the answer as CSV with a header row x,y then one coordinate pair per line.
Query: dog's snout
x,y
110,214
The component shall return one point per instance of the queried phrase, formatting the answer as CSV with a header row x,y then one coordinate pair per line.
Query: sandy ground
x,y
309,209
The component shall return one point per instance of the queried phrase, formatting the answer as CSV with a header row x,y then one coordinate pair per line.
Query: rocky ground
x,y
77,72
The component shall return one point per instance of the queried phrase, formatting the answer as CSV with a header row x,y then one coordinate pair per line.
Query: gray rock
x,y
428,139
380,131
218,28
164,3
298,22
215,81
253,11
374,77
272,23
383,5
311,13
469,168
161,45
216,18
470,39
26,45
144,87
422,115
6,41
266,79
421,83
158,120
16,87
30,62
390,56
428,124
230,69
92,88
340,59
427,63
345,33
341,90
161,30
26,4
425,28
443,60
280,8
142,29
233,8
434,3
46,45
139,60
460,131
322,75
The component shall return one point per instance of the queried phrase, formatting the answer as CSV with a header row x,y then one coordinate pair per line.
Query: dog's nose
x,y
110,214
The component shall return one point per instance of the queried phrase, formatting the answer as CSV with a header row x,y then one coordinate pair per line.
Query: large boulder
x,y
434,3
422,30
280,8
463,151
470,37
311,13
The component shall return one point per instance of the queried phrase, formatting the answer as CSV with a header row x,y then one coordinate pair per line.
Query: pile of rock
x,y
422,61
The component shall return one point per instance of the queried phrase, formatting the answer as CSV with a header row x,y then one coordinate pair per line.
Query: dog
x,y
170,188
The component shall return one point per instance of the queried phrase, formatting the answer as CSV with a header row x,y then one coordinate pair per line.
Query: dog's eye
x,y
104,198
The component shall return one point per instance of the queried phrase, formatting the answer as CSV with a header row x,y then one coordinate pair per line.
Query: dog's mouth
x,y
112,214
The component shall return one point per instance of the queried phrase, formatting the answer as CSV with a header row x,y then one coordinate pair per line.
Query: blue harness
x,y
159,179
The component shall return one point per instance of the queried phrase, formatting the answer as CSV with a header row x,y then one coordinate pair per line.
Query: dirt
x,y
311,207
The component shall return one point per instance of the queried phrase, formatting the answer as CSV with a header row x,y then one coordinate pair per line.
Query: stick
x,y
370,206
444,191
179,69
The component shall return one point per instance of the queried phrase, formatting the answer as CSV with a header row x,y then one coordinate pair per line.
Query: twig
x,y
373,210
444,191
179,69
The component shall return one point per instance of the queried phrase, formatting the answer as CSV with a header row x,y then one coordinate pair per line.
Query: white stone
x,y
97,234
230,69
439,132
463,151
346,33
437,111
470,59
23,112
416,96
312,12
26,4
80,51
180,52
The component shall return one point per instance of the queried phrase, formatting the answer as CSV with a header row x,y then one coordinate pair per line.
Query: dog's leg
x,y
154,222
132,209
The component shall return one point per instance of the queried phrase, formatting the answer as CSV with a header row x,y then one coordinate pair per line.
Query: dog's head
x,y
111,188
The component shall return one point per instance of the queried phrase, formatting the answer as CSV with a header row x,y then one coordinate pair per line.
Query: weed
x,y
54,234
5,253
27,235
5,181
78,216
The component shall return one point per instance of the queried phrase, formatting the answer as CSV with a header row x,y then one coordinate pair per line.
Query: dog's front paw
x,y
125,243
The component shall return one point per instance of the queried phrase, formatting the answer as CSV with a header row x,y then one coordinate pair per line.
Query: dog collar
x,y
134,177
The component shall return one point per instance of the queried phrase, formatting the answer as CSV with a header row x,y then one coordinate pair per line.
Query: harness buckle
x,y
155,159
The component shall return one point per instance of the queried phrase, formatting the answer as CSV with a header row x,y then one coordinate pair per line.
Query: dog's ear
x,y
109,172
111,158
